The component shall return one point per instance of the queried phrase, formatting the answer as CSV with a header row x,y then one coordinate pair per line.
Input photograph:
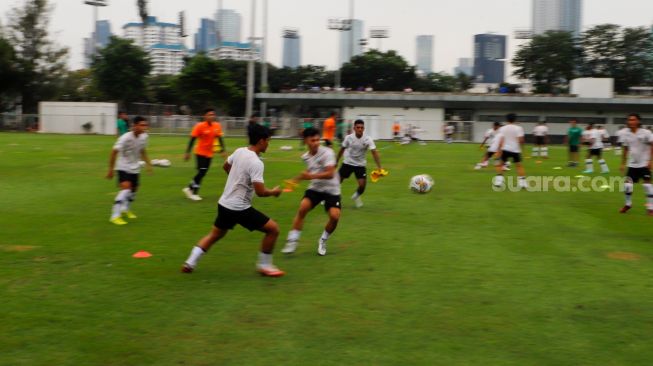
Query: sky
x,y
452,22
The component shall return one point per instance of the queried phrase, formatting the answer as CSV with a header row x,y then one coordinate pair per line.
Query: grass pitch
x,y
460,276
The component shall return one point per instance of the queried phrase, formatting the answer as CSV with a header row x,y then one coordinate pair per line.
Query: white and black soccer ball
x,y
422,183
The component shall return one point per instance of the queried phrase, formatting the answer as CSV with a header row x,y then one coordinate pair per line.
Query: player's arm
x,y
261,191
191,142
146,159
340,153
226,167
377,159
484,141
112,163
328,173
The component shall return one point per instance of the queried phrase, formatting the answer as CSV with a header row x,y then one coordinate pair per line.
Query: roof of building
x,y
164,46
150,21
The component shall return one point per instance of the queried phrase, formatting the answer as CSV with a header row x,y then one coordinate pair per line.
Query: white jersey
x,y
621,133
356,148
246,169
448,130
490,136
596,137
511,134
318,163
130,149
495,142
541,131
639,147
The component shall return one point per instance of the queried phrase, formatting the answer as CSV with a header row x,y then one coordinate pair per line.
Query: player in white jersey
x,y
595,137
620,139
541,133
510,147
449,129
491,143
129,150
354,148
324,187
638,149
245,170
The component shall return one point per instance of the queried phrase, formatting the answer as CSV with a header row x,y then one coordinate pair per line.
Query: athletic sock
x,y
355,196
604,166
522,181
545,152
325,236
536,151
128,202
118,203
648,188
195,254
589,165
628,190
293,235
264,259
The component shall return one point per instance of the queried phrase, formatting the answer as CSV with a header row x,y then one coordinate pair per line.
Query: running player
x,y
129,149
396,131
488,141
595,138
122,124
573,139
541,132
245,177
638,149
329,130
449,129
206,132
355,148
325,187
510,147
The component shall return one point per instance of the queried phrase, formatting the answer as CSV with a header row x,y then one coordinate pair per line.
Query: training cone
x,y
142,254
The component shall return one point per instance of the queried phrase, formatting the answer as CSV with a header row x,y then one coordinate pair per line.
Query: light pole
x,y
264,59
95,4
340,25
250,65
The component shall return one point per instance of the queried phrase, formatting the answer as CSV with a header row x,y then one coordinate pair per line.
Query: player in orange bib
x,y
329,130
206,132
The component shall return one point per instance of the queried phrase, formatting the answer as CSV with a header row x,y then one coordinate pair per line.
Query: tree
x,y
600,46
550,61
436,83
9,74
205,82
41,63
162,89
120,71
302,77
464,82
636,68
78,86
380,70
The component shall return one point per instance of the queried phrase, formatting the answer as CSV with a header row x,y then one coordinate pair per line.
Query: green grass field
x,y
460,276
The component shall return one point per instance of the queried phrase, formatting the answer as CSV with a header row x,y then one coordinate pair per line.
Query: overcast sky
x,y
452,22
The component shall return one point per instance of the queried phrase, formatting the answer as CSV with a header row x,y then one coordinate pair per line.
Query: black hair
x,y
139,119
258,133
207,110
333,113
573,119
359,122
310,132
497,124
511,117
636,115
121,112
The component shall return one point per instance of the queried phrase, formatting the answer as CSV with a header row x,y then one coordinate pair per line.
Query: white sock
x,y
294,235
545,151
325,236
522,181
648,188
118,203
589,165
355,196
264,259
195,254
604,166
628,191
128,202
536,151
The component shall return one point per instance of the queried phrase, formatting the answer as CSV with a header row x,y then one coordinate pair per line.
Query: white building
x,y
425,54
228,23
234,51
557,15
163,43
346,39
465,66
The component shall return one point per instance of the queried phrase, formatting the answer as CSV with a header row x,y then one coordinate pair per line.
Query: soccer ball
x,y
422,183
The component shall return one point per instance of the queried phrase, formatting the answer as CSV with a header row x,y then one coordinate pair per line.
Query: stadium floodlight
x,y
379,33
340,25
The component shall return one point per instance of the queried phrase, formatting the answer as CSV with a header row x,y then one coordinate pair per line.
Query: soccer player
x,y
638,149
449,129
488,142
573,139
122,125
510,147
206,132
354,148
396,131
594,137
541,132
329,130
620,139
129,150
245,177
325,187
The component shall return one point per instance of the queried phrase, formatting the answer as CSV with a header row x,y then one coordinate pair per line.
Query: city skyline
x,y
451,24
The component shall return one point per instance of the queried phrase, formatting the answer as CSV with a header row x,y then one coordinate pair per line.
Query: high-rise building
x,y
346,39
425,54
489,58
557,15
465,66
291,48
103,32
163,43
228,23
206,37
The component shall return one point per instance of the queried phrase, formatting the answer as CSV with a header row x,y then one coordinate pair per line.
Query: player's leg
x,y
544,151
629,186
361,178
536,148
203,165
602,163
333,210
521,172
648,189
305,206
589,162
499,179
121,199
265,266
202,247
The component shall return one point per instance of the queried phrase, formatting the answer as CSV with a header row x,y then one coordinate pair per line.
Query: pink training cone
x,y
142,254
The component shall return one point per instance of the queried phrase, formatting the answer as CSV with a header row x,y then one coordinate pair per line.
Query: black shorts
x,y
539,140
573,148
128,177
328,143
346,170
639,173
595,152
250,219
317,197
507,155
396,134
202,162
489,154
